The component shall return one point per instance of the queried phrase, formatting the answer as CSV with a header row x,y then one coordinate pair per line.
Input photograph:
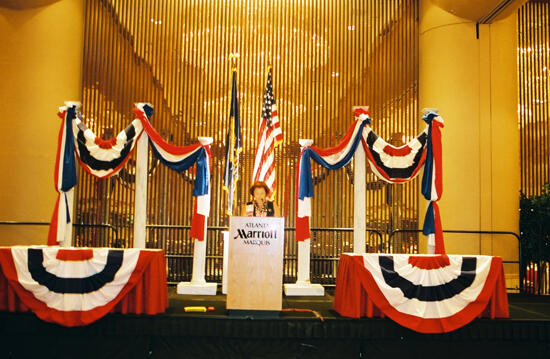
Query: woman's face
x,y
259,196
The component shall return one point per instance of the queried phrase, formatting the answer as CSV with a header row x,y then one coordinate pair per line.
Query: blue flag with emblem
x,y
233,143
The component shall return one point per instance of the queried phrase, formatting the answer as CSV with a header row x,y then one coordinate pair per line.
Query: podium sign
x,y
255,270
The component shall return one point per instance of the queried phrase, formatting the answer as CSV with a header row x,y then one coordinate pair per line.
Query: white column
x,y
303,286
140,215
199,262
67,241
359,197
198,284
304,262
225,267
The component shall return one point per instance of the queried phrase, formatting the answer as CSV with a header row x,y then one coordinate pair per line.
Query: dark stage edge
x,y
176,334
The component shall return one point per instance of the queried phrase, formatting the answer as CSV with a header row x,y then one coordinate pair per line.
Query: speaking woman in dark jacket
x,y
260,206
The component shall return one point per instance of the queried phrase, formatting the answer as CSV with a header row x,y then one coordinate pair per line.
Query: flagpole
x,y
230,180
230,192
231,189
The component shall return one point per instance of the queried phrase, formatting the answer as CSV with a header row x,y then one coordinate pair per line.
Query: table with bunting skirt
x,y
77,286
425,293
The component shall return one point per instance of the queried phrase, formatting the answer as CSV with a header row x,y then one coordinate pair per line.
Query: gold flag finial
x,y
269,62
233,57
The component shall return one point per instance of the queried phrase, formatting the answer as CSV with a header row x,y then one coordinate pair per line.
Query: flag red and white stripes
x,y
269,136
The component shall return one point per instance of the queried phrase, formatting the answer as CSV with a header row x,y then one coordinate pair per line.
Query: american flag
x,y
233,143
269,136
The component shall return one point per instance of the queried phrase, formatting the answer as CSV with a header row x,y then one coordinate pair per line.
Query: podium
x,y
255,268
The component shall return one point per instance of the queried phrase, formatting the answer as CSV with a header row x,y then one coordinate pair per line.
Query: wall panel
x,y
534,91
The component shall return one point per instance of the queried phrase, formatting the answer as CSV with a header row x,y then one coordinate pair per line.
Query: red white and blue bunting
x,y
73,287
391,164
430,294
394,164
332,158
64,174
104,158
179,159
432,183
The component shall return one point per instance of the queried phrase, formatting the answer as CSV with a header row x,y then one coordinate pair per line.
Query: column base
x,y
197,289
304,289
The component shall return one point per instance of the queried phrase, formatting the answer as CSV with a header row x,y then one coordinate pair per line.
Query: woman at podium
x,y
260,206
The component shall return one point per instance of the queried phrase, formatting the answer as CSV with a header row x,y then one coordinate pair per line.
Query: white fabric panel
x,y
431,239
304,207
203,204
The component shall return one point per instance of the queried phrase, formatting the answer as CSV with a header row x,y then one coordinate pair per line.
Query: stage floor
x,y
177,334
521,306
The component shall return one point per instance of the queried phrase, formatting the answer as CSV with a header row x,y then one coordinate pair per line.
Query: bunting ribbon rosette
x,y
390,163
179,159
75,287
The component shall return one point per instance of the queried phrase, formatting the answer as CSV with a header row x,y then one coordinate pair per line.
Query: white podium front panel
x,y
255,270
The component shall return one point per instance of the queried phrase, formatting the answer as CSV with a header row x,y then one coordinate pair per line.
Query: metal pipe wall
x,y
327,56
534,91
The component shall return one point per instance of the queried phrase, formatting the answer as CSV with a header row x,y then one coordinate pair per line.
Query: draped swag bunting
x,y
389,163
179,159
104,158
